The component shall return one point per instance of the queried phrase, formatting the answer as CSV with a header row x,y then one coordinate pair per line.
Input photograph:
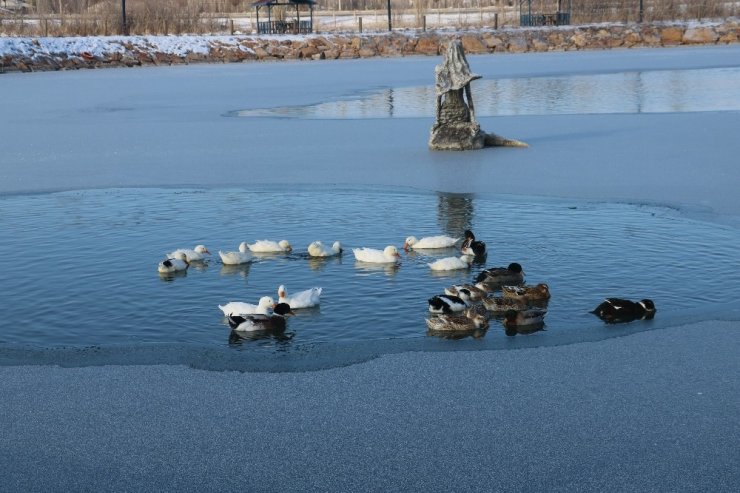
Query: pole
x,y
389,16
641,11
124,27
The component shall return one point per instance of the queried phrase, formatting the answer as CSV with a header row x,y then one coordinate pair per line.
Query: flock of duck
x,y
498,292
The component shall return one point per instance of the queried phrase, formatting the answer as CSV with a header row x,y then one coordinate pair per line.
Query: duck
x,y
523,321
269,246
511,275
445,303
471,246
452,263
196,254
475,292
176,263
259,322
386,256
317,249
618,310
240,308
429,242
528,294
469,320
499,305
303,299
235,258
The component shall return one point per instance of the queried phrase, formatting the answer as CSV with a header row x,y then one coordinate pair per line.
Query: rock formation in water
x,y
455,128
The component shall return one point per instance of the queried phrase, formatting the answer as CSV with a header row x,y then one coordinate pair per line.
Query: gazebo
x,y
286,25
544,12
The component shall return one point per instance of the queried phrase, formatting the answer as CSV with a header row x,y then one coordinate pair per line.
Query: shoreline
x,y
33,54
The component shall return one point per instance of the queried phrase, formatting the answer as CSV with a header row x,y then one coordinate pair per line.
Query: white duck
x,y
318,249
269,246
235,258
452,263
303,299
241,308
195,255
430,242
176,263
386,256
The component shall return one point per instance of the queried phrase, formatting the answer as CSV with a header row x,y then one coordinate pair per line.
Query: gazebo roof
x,y
265,3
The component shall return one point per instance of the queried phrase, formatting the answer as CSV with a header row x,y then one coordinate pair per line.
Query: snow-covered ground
x,y
653,411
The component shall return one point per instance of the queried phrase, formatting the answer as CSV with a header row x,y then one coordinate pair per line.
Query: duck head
x,y
410,241
201,249
391,251
285,245
283,309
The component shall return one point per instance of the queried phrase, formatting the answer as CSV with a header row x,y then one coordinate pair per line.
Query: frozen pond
x,y
605,202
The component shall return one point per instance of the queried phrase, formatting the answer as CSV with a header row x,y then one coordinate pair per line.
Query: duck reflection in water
x,y
171,276
318,264
241,270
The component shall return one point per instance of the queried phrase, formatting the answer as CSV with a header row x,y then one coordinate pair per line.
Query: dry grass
x,y
103,17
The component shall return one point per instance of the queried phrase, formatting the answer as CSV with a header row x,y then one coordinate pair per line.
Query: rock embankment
x,y
36,54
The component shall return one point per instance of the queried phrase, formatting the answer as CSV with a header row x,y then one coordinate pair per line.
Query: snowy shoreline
x,y
28,54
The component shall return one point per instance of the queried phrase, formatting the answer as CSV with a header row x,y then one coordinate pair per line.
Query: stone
x,y
700,35
455,127
671,35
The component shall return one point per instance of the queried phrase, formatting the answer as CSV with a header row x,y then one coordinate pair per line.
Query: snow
x,y
653,411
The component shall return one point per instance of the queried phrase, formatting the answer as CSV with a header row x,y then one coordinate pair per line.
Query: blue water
x,y
659,91
80,268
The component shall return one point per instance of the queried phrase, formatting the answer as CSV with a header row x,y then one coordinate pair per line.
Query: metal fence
x,y
90,17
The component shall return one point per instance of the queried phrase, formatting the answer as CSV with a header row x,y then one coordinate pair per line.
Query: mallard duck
x,y
240,308
429,242
192,255
498,304
303,299
235,258
511,275
386,256
528,294
317,249
177,263
471,246
452,263
253,323
269,246
523,321
617,310
475,292
468,321
444,303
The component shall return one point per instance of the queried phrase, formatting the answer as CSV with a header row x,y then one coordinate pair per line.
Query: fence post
x,y
359,24
424,23
231,21
46,28
495,20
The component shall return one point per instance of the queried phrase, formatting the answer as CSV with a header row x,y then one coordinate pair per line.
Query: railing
x,y
284,27
556,19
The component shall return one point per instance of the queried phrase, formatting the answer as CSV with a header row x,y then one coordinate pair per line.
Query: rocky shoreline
x,y
44,54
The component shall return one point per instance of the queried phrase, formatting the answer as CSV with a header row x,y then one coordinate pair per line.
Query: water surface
x,y
659,91
79,267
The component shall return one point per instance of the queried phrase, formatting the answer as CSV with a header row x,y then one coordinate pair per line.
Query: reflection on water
x,y
665,91
584,251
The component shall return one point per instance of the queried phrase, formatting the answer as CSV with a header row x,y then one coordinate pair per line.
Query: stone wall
x,y
37,55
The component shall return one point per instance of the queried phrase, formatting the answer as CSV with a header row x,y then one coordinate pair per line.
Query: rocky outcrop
x,y
37,54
